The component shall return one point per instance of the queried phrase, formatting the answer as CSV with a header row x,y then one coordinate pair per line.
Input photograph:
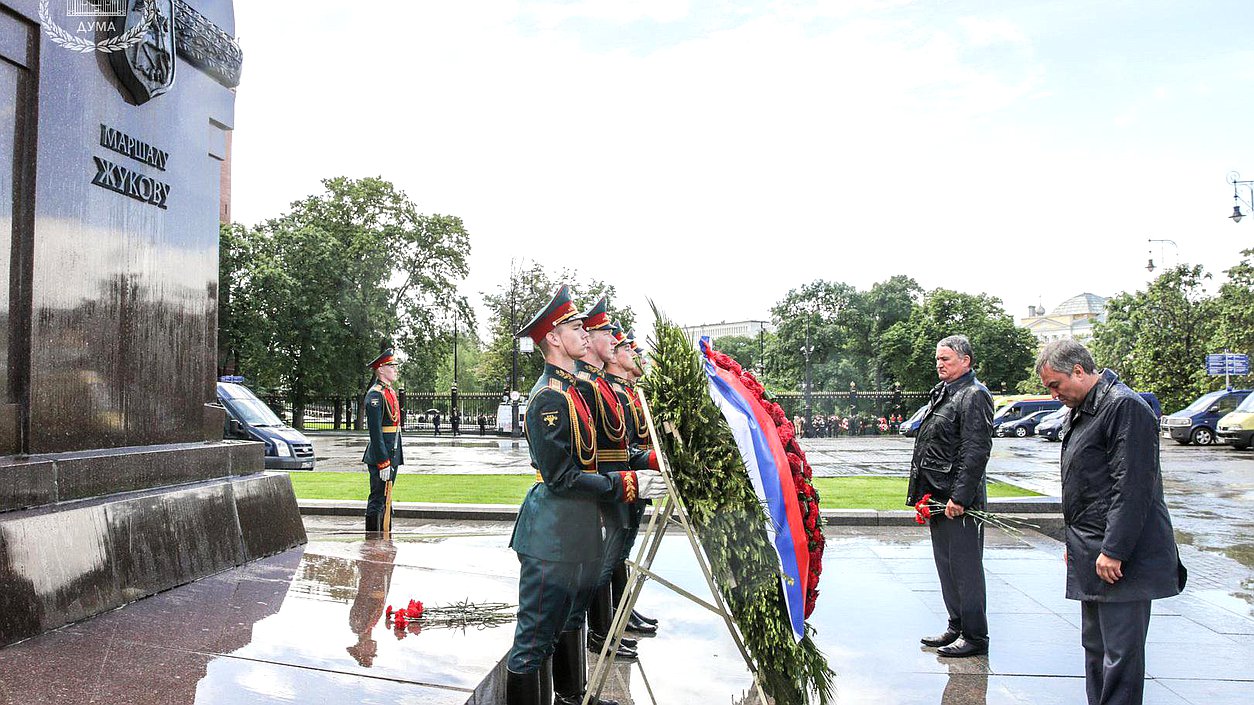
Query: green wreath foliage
x,y
712,481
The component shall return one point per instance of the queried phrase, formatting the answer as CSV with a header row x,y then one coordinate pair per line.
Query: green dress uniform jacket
x,y
384,423
559,518
614,453
637,431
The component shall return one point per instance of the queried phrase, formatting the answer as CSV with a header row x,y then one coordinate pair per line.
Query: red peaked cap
x,y
598,317
559,310
619,337
384,358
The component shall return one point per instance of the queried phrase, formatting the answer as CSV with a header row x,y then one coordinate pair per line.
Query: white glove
x,y
650,485
387,473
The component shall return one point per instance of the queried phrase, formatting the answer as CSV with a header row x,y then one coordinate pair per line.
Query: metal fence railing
x,y
420,410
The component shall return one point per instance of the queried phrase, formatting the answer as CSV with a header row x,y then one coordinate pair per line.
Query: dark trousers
x,y
1113,635
378,491
958,549
585,588
547,593
611,552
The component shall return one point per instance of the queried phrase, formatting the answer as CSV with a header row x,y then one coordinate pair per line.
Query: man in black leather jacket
x,y
1121,551
950,454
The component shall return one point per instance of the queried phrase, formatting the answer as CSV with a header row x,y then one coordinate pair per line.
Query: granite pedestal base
x,y
110,527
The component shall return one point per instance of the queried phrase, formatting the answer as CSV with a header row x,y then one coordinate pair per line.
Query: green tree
x,y
1003,351
874,312
1234,313
812,317
844,326
514,303
314,294
741,348
1157,340
237,311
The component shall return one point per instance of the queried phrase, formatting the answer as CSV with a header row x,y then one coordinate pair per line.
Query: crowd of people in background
x,y
852,424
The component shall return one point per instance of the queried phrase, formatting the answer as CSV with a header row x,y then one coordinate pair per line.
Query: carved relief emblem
x,y
146,68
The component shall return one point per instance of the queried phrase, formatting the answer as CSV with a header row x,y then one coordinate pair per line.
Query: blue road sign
x,y
1227,364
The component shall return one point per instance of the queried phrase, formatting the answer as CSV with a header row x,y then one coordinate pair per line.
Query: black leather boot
x,y
600,618
638,622
522,688
546,681
372,523
570,670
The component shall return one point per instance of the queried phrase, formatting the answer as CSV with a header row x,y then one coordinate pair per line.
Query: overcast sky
x,y
713,155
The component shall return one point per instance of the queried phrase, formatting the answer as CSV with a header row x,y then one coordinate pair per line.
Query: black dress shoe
x,y
949,637
636,626
624,653
597,640
963,648
642,618
578,700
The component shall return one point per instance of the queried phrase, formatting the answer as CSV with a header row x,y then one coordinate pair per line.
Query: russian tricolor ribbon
x,y
758,442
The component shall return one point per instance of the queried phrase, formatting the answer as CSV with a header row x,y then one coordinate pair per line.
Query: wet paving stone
x,y
307,626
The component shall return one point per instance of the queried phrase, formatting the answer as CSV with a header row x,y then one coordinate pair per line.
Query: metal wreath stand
x,y
670,508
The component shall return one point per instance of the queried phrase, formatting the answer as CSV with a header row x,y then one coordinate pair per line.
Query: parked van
x,y
248,418
1237,428
1196,422
1015,410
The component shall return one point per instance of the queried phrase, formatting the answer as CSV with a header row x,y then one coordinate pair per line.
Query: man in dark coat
x,y
1121,552
950,454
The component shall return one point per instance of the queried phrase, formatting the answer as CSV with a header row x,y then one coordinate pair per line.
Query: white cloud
x,y
774,150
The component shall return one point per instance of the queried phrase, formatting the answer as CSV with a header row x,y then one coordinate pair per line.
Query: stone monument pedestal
x,y
108,527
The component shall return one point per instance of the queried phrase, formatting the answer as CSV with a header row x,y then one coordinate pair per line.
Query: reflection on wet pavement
x,y
1210,490
308,626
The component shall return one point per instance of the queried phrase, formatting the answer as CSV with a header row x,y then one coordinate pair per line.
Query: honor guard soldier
x,y
622,371
557,535
614,454
383,453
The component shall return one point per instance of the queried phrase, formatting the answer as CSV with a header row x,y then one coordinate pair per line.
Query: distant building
x,y
1072,319
747,329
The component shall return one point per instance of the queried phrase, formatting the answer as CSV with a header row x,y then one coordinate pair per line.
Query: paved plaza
x,y
1209,490
305,625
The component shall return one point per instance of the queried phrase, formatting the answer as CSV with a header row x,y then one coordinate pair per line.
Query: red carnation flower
x,y
414,610
400,619
389,612
786,434
751,383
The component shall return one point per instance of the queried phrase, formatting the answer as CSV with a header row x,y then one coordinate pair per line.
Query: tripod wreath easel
x,y
670,509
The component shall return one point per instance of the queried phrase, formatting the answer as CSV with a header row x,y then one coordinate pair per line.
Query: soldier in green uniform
x,y
557,534
384,454
622,371
614,454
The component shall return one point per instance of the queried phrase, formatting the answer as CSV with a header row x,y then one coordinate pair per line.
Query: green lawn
x,y
837,492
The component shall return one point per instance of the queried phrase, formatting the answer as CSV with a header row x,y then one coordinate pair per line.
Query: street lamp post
x,y
807,350
452,402
1150,267
1235,179
513,375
